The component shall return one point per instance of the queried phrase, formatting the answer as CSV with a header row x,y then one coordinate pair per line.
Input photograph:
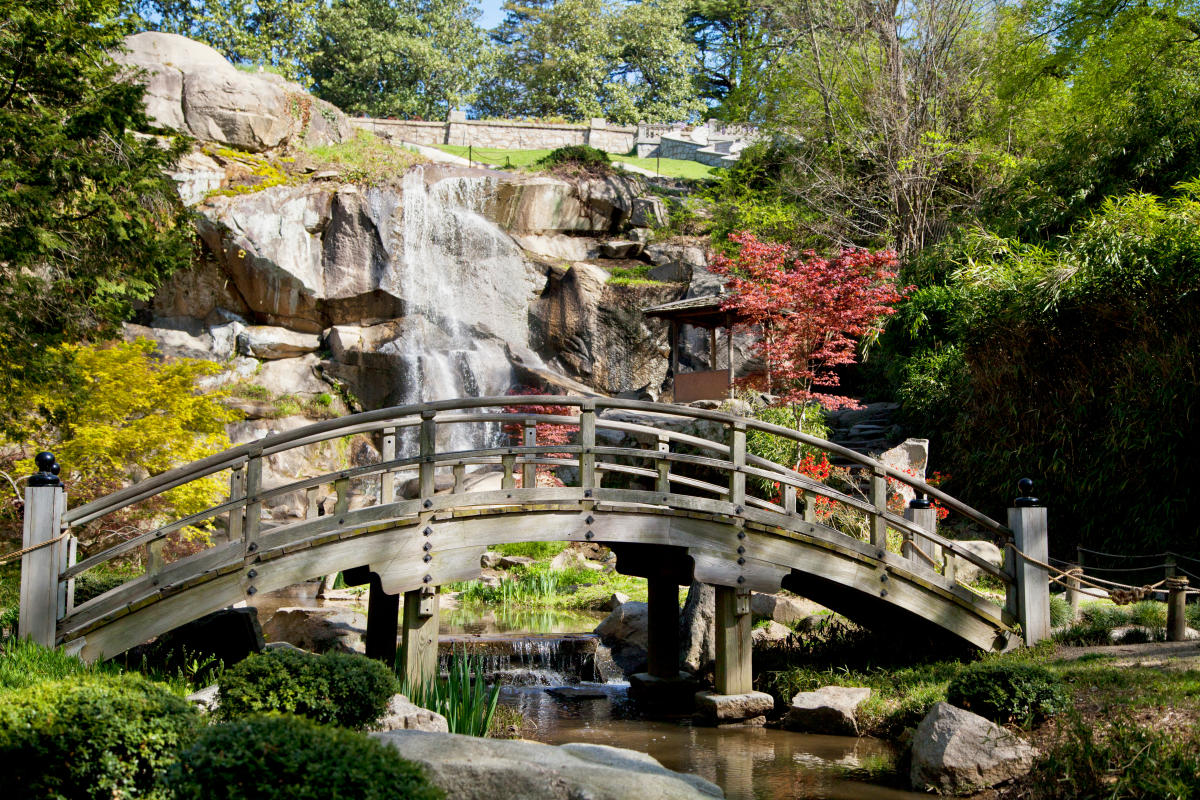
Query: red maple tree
x,y
810,312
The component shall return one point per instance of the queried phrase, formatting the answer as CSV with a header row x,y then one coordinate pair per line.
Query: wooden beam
x,y
419,652
733,621
383,621
662,603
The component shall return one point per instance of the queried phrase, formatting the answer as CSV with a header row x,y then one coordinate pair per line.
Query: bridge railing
x,y
673,456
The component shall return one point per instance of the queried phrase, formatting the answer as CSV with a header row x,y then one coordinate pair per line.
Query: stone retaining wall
x,y
504,134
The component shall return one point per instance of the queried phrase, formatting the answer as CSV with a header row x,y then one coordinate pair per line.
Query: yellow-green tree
x,y
119,413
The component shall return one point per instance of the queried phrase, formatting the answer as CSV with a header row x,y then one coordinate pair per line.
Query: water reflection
x,y
748,763
502,619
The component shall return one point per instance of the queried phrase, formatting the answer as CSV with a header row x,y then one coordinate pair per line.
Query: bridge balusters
x,y
662,484
810,507
154,557
460,478
387,481
253,521
341,488
528,468
587,442
737,455
507,465
879,500
427,441
237,491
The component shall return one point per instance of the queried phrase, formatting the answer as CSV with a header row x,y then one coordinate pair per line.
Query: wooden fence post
x,y
1176,610
923,515
44,504
1027,519
879,500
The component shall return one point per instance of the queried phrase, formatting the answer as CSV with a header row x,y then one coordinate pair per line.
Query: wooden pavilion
x,y
706,313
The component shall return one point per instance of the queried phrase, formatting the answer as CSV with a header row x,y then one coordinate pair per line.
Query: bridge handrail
x,y
409,416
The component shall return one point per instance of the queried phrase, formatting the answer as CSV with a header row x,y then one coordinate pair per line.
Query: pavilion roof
x,y
703,312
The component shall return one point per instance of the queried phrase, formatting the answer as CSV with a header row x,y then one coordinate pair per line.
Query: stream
x,y
535,653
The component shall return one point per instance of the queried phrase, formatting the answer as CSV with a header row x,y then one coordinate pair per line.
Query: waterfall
x,y
465,287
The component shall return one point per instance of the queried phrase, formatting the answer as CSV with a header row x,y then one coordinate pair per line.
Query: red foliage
x,y
548,433
810,310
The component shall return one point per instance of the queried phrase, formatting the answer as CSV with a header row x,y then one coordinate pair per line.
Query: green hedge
x,y
342,688
90,737
289,758
1007,691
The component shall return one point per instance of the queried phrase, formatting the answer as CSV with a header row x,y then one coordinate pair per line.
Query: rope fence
x,y
15,554
1073,578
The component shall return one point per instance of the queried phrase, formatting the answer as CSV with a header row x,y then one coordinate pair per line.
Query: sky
x,y
492,13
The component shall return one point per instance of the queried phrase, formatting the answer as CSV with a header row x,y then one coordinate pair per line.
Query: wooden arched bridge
x,y
675,491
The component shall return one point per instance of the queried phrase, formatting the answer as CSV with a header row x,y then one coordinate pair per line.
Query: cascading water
x,y
465,287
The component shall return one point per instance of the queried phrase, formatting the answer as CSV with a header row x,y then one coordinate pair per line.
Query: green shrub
x,y
577,155
1122,760
94,737
342,688
289,758
1008,691
1060,611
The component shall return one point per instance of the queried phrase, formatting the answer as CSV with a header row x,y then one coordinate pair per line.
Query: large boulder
x,y
781,608
404,715
626,633
830,709
988,551
318,630
191,88
474,768
269,342
957,752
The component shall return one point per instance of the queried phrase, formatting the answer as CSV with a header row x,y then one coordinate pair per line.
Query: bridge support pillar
x,y
733,621
419,652
1027,519
383,622
663,627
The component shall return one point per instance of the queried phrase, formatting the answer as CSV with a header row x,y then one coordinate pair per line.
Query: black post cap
x,y
1026,500
48,469
920,501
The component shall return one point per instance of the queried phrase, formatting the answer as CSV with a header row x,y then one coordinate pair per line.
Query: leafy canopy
x,y
89,223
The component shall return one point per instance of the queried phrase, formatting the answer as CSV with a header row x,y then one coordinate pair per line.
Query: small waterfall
x,y
527,660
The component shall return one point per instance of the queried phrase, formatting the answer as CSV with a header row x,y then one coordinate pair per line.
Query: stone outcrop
x,y
771,632
830,709
267,342
404,715
781,608
597,331
474,768
191,88
957,752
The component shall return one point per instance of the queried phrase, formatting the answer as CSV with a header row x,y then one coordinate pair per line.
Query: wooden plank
x,y
237,491
733,645
663,467
253,523
587,440
428,447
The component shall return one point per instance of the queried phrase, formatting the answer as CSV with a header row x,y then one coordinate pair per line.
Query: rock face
x,y
191,88
697,639
957,752
473,768
830,709
597,333
318,629
403,715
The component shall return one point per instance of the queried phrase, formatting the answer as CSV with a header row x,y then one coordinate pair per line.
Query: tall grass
x,y
531,584
463,697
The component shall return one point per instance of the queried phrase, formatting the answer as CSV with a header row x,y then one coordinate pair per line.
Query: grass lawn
x,y
671,168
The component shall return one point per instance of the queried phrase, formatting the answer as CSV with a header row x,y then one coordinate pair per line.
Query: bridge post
x,y
662,611
383,621
419,651
922,514
1176,609
733,644
1027,519
45,502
